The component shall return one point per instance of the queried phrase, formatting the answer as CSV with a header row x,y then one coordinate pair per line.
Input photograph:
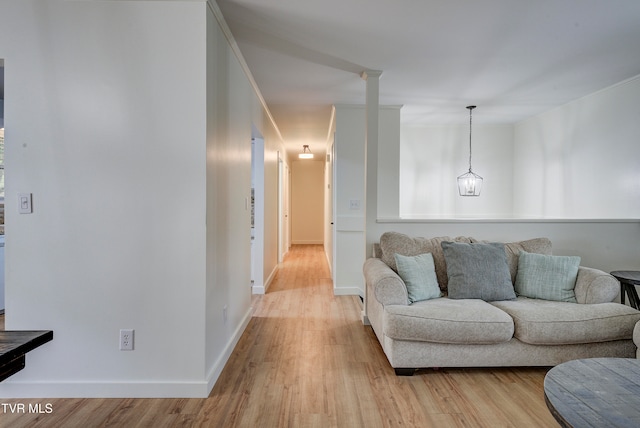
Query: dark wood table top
x,y
15,344
632,276
595,392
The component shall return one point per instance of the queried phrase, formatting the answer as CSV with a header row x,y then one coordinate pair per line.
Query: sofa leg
x,y
404,372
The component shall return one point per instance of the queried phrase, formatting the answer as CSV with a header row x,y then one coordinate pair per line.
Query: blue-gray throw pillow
x,y
547,277
419,275
478,271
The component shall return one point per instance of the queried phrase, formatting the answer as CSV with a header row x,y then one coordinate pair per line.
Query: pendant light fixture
x,y
469,183
306,153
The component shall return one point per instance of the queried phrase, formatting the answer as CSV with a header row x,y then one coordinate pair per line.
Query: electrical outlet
x,y
126,339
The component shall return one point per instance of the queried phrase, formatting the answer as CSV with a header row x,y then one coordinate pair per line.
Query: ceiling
x,y
511,58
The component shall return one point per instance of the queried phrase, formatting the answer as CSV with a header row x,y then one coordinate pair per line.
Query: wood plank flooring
x,y
306,360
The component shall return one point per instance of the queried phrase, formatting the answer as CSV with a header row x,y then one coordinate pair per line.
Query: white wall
x,y
117,172
307,201
349,189
228,158
432,157
581,160
349,221
578,161
139,193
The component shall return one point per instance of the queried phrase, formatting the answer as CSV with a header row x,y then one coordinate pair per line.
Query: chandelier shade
x,y
469,183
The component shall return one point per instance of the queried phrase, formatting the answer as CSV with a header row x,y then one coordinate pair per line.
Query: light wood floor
x,y
306,360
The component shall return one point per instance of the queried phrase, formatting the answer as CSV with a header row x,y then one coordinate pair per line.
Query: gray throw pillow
x,y
547,277
419,275
478,271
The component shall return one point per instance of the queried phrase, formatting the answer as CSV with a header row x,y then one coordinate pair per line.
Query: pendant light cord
x,y
470,127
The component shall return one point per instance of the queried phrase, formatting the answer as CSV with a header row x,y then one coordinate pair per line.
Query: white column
x,y
372,77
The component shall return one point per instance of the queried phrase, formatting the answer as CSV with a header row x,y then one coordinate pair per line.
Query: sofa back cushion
x,y
536,245
392,243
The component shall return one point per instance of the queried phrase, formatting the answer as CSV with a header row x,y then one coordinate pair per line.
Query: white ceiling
x,y
511,58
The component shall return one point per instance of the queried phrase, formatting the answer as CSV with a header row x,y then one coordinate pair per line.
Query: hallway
x,y
296,362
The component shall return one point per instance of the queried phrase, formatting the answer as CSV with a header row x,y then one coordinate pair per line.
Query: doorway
x,y
257,214
280,208
308,201
329,177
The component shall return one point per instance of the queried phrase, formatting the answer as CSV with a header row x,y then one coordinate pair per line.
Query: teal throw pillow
x,y
478,271
419,275
547,277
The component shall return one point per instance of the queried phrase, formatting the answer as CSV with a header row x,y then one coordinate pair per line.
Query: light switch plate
x,y
24,203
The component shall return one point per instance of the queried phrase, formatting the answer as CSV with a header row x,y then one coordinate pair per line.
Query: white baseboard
x,y
347,291
159,389
126,389
310,242
365,319
262,289
216,370
329,262
269,280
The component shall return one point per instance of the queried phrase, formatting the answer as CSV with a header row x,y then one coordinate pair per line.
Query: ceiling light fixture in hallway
x,y
306,153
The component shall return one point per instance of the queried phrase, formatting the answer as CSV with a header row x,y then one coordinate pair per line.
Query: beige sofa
x,y
469,332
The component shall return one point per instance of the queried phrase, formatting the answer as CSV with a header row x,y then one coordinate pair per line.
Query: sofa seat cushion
x,y
545,322
444,320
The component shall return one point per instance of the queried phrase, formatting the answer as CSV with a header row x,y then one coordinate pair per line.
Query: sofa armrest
x,y
595,286
388,287
636,338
